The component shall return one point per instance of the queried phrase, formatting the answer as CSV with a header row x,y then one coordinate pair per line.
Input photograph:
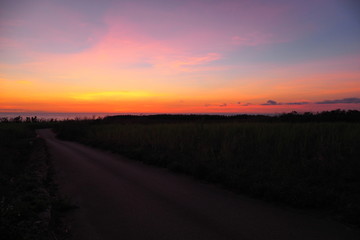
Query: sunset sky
x,y
188,56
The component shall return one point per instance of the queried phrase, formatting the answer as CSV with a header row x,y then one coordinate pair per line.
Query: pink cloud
x,y
182,40
122,47
215,27
199,60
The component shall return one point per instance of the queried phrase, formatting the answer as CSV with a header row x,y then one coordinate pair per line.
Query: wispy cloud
x,y
344,100
272,103
335,101
296,103
198,60
246,104
188,63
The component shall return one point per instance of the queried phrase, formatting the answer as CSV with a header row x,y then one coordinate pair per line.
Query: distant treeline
x,y
325,116
20,119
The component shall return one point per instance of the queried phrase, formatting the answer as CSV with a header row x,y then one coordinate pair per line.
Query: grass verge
x,y
30,207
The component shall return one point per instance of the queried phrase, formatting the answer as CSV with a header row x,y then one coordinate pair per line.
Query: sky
x,y
188,56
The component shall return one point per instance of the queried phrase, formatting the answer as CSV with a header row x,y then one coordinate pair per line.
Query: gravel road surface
x,y
123,199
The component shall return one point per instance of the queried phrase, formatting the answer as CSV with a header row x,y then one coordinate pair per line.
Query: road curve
x,y
124,199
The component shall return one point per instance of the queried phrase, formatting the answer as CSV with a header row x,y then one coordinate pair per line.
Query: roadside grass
x,y
306,165
28,196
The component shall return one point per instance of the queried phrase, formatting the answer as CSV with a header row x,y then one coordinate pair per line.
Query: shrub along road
x,y
123,199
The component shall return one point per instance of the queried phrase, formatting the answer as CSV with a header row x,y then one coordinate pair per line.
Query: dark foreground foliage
x,y
304,164
30,207
326,116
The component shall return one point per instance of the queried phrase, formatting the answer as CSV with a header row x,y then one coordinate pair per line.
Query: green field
x,y
307,165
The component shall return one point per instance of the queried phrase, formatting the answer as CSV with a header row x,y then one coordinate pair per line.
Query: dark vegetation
x,y
30,207
326,116
303,160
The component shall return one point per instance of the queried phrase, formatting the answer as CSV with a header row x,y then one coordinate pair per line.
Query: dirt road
x,y
123,199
